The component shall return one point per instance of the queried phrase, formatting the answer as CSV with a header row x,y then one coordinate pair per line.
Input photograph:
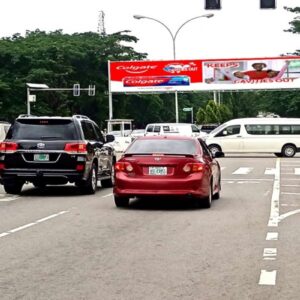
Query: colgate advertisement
x,y
205,75
130,76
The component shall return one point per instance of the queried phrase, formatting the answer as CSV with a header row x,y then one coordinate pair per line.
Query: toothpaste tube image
x,y
179,80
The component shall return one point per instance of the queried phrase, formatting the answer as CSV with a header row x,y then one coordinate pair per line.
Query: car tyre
x,y
90,185
107,183
121,201
289,150
13,187
207,200
214,148
217,195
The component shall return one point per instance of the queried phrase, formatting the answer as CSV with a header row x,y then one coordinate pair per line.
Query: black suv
x,y
56,150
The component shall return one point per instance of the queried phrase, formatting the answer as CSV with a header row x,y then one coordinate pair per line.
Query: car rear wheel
x,y
107,183
289,150
121,201
13,187
207,200
214,149
90,186
216,196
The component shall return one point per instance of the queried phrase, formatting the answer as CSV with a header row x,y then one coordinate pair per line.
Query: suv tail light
x,y
75,148
123,167
8,147
193,168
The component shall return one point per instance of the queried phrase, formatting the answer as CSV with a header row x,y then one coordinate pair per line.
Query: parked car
x,y
185,129
137,132
167,166
4,126
56,150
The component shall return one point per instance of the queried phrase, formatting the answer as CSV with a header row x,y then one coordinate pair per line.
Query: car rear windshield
x,y
43,129
162,146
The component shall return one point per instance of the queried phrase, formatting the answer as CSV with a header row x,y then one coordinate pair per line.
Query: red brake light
x,y
2,166
8,147
193,168
75,148
123,167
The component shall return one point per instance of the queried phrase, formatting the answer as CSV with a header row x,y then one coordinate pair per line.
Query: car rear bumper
x,y
194,186
41,175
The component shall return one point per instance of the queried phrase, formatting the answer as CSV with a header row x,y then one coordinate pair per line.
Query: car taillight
x,y
79,167
193,168
75,148
123,167
8,147
2,166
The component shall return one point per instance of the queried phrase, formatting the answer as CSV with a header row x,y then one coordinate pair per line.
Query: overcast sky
x,y
239,30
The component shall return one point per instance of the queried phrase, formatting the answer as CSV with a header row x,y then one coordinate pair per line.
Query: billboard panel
x,y
205,75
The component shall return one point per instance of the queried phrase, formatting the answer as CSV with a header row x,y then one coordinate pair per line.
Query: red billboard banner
x,y
205,75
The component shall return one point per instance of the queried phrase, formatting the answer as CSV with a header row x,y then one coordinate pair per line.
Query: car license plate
x,y
157,170
41,157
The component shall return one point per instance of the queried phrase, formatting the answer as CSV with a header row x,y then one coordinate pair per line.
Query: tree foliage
x,y
61,60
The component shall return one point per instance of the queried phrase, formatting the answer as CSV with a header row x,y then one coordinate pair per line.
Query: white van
x,y
280,136
172,128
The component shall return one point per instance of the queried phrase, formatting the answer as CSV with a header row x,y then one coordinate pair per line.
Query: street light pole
x,y
174,36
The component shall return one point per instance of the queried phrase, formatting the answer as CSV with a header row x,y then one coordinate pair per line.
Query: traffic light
x,y
212,4
267,3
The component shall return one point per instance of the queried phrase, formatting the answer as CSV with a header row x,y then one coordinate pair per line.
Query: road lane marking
x,y
108,195
288,193
270,253
274,213
267,277
8,198
288,214
242,171
270,171
272,236
14,230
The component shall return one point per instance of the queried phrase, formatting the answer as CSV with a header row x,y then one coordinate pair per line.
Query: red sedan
x,y
167,166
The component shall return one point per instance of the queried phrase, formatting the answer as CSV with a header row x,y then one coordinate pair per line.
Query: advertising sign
x,y
205,75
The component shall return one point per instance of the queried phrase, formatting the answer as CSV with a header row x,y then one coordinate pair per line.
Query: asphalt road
x,y
58,244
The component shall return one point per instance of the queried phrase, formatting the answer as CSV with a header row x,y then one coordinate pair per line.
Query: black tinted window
x,y
88,130
35,129
163,146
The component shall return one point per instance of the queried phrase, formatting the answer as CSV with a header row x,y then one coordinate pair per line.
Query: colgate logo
x,y
136,69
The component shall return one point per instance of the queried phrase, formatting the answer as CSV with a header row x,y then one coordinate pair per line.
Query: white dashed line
x,y
274,213
242,171
267,277
272,236
270,253
32,224
108,195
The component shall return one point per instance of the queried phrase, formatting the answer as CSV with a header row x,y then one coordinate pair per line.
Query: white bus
x,y
280,136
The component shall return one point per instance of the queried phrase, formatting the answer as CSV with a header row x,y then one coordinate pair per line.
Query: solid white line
x,y
274,213
250,179
10,198
21,228
291,185
32,224
287,193
288,214
272,236
242,171
267,277
297,171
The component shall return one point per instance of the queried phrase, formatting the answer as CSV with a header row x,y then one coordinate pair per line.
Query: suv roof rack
x,y
26,116
81,117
